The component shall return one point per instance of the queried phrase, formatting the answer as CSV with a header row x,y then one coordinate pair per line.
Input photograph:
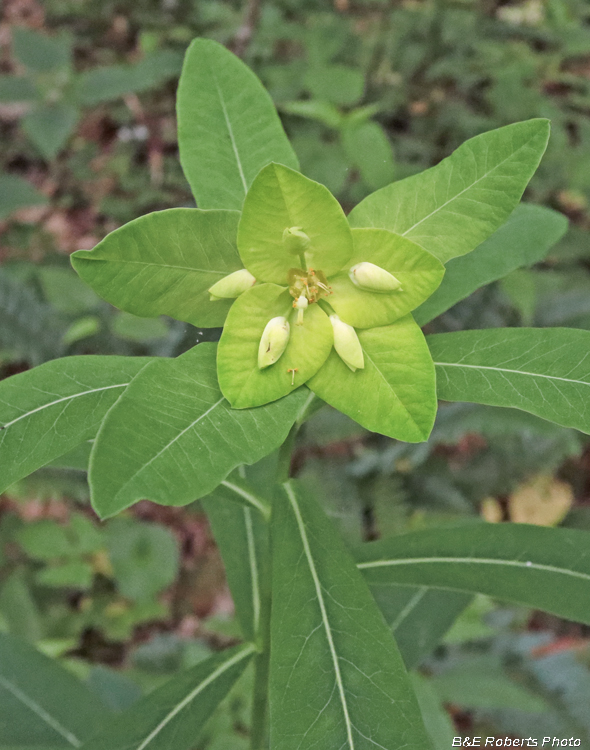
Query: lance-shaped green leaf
x,y
164,263
47,411
241,534
524,239
544,371
41,703
336,677
418,616
453,207
173,715
547,569
281,198
241,381
228,128
174,437
418,271
395,392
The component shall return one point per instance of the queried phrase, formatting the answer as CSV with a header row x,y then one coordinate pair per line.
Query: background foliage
x,y
369,92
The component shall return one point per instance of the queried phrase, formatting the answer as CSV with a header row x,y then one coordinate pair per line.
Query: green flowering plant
x,y
312,304
317,282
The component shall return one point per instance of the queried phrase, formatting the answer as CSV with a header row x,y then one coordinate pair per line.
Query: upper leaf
x,y
41,703
47,411
451,208
173,715
395,392
173,438
418,271
228,128
540,370
336,676
241,381
164,262
281,198
547,569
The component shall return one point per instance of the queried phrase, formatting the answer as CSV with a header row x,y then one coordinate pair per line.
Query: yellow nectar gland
x,y
310,284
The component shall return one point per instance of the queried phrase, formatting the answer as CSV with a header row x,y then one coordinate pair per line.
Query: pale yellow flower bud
x,y
295,240
232,286
372,278
300,305
273,343
347,344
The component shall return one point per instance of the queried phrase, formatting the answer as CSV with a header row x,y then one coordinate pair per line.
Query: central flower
x,y
310,285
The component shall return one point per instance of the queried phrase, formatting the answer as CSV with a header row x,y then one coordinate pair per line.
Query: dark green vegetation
x,y
368,94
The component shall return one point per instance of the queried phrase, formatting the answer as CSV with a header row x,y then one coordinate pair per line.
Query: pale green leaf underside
x,y
228,128
548,569
524,239
240,379
451,208
164,262
545,371
41,703
173,715
395,392
419,272
336,676
281,198
173,438
47,411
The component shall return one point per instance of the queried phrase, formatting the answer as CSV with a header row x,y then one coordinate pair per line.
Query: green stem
x,y
258,733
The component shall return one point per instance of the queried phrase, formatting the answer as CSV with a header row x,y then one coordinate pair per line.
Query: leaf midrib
x,y
39,711
324,614
469,187
525,564
515,372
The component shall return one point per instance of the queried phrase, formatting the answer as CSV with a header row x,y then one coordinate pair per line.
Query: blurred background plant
x,y
369,91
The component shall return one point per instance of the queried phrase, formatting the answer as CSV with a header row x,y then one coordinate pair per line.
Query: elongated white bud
x,y
372,278
347,344
232,286
273,343
300,305
295,240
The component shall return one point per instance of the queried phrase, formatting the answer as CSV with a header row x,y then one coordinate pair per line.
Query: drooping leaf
x,y
418,271
49,126
39,52
15,193
281,198
173,437
108,82
451,208
337,679
241,534
41,703
29,329
540,370
164,262
228,128
173,715
144,557
543,568
418,616
395,392
240,379
369,149
524,239
47,411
